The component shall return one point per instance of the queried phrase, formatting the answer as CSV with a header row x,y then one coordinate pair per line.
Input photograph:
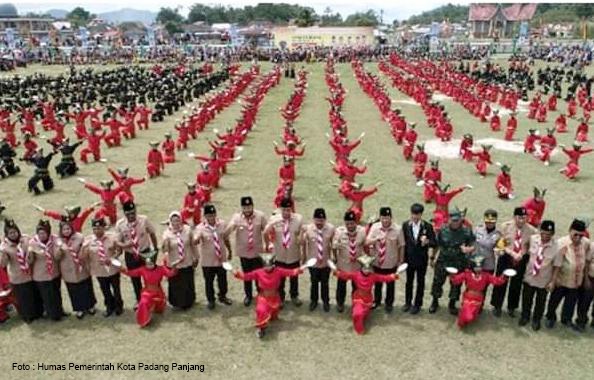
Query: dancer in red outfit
x,y
476,282
442,198
495,121
512,125
410,139
108,196
72,214
268,279
547,144
93,146
431,177
362,297
530,141
420,160
503,184
466,147
154,160
125,183
143,116
192,205
30,146
581,133
357,195
572,168
561,124
535,207
484,159
152,297
168,149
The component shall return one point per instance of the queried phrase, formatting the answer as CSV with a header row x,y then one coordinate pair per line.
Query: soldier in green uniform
x,y
454,245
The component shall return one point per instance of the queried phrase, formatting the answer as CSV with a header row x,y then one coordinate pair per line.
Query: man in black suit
x,y
418,237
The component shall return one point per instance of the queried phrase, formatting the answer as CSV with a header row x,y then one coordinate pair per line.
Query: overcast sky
x,y
393,9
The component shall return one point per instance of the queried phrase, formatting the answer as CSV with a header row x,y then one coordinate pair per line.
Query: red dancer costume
x,y
152,297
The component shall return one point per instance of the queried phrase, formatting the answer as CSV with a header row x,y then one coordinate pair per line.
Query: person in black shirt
x,y
419,237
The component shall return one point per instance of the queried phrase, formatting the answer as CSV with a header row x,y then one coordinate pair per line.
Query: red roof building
x,y
494,21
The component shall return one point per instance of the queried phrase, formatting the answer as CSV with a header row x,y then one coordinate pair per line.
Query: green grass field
x,y
305,344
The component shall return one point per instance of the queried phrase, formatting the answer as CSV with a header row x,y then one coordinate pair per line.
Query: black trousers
x,y
30,304
513,286
390,287
533,295
417,273
51,298
112,296
209,276
440,276
133,263
341,287
585,297
45,179
182,289
81,295
569,297
248,265
319,278
294,281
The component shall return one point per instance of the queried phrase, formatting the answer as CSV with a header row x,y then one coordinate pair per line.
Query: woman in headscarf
x,y
43,248
14,256
177,246
75,270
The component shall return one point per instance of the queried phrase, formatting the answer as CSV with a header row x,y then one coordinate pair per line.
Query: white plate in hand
x,y
402,268
116,263
227,266
311,262
5,293
451,270
510,272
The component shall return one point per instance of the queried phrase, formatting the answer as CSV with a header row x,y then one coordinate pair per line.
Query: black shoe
x,y
91,311
119,311
452,307
523,321
79,314
415,310
535,325
497,312
389,309
592,323
340,308
225,301
296,302
434,306
579,327
406,308
247,301
326,307
211,305
107,313
511,313
313,306
550,323
375,305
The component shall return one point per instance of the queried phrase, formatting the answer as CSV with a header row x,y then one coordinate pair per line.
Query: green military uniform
x,y
450,255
